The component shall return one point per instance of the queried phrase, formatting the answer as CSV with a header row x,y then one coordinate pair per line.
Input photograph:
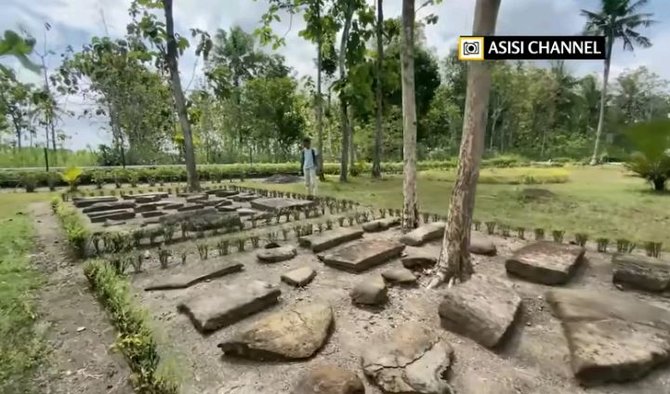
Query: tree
x,y
616,20
410,204
169,47
454,263
651,160
379,95
15,100
13,44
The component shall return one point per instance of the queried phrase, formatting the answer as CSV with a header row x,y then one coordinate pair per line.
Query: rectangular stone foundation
x,y
330,239
362,255
277,204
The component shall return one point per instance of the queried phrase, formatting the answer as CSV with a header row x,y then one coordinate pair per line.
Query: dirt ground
x,y
535,359
78,332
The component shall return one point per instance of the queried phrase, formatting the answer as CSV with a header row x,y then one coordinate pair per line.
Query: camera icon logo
x,y
471,48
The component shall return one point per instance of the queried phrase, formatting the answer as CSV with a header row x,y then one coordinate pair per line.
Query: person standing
x,y
308,166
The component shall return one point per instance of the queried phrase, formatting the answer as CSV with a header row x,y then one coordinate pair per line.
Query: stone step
x,y
83,202
113,215
213,310
109,206
362,255
330,239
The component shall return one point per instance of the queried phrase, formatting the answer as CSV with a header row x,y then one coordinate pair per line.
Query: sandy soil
x,y
535,359
77,329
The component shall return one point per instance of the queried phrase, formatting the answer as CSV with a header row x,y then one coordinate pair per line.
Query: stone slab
x,y
225,193
275,255
278,203
329,379
153,214
197,198
293,333
611,336
211,311
362,255
109,206
83,202
244,197
380,224
299,277
148,199
320,242
203,219
182,281
481,244
370,291
173,206
190,207
146,207
417,259
412,359
545,262
641,272
105,213
215,201
115,215
482,308
160,195
426,233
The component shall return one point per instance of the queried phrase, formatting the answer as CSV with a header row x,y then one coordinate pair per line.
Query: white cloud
x,y
74,22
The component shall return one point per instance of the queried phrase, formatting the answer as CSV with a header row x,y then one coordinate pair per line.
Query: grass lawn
x,y
21,349
600,201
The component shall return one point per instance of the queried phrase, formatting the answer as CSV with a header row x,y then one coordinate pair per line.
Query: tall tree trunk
x,y
454,262
377,157
410,211
319,98
180,102
352,145
344,114
603,100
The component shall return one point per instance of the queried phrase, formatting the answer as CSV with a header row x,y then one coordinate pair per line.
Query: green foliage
x,y
136,338
76,232
651,160
13,44
71,177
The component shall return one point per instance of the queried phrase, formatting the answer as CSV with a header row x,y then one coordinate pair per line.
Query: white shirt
x,y
309,158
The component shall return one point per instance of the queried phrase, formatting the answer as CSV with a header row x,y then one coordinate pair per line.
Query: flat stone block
x,y
362,255
209,312
545,262
320,242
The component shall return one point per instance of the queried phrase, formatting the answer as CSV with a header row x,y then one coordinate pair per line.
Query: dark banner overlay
x,y
532,48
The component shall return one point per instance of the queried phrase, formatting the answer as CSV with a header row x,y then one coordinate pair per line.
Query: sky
x,y
74,22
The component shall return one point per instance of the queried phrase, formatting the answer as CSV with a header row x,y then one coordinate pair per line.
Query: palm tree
x,y
616,19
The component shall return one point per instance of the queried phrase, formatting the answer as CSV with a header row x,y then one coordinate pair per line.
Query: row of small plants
x,y
135,337
603,245
14,178
168,233
127,255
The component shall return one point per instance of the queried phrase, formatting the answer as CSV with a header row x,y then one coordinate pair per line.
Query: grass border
x,y
135,339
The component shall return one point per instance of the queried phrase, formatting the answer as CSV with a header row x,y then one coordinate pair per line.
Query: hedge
x,y
12,178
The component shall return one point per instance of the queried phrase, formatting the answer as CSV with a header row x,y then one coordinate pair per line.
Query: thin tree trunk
x,y
180,102
603,101
377,157
410,211
454,262
352,145
319,98
344,115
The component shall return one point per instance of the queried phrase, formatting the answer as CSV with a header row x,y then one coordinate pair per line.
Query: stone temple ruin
x,y
278,278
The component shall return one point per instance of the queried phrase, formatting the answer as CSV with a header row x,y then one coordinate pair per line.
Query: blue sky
x,y
74,22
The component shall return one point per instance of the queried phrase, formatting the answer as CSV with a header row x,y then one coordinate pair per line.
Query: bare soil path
x,y
78,332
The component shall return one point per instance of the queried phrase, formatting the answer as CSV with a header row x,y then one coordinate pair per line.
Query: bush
x,y
11,178
76,232
651,160
136,338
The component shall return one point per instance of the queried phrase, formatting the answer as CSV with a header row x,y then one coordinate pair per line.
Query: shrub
x,y
651,160
76,232
29,181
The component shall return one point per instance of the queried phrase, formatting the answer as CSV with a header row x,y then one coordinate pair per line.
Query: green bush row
x,y
76,232
135,336
12,178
